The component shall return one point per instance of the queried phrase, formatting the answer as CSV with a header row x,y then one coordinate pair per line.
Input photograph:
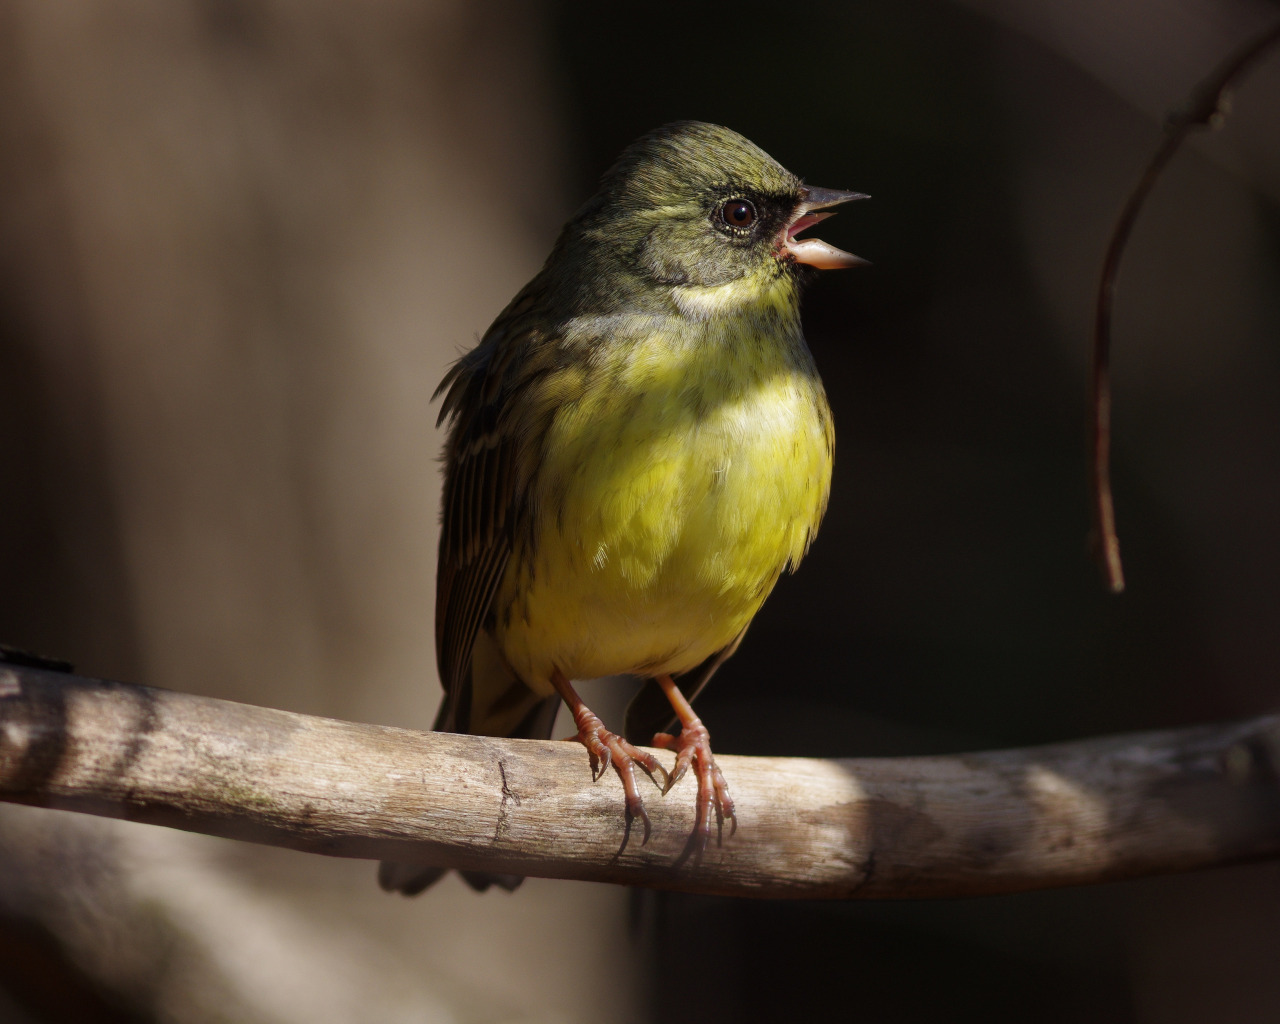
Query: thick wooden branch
x,y
1000,821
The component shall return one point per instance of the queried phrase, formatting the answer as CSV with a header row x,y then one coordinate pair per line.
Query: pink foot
x,y
693,747
608,748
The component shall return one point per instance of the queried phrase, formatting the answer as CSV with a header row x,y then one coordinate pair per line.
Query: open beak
x,y
814,251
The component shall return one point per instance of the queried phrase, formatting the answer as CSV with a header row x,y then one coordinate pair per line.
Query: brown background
x,y
239,244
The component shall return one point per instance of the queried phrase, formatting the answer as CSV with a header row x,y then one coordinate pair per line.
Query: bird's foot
x,y
608,748
693,747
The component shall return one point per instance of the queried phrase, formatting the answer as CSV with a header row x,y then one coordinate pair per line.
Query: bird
x,y
637,448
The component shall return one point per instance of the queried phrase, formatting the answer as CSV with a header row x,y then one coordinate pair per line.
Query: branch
x,y
965,825
1206,108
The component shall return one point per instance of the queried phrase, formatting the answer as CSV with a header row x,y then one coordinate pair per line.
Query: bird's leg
x,y
607,748
693,746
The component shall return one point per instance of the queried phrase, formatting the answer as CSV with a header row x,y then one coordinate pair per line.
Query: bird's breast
x,y
691,470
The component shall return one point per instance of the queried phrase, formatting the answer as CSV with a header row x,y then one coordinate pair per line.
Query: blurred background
x,y
239,245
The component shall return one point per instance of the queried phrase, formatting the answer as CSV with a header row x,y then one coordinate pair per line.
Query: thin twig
x,y
1206,108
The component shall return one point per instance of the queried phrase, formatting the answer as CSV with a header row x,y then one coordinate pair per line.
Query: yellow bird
x,y
637,449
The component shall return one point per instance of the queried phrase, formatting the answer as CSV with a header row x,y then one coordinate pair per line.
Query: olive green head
x,y
698,204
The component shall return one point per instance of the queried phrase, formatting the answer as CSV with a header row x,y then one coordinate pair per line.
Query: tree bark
x,y
947,826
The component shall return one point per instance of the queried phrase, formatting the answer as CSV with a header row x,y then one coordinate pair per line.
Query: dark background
x,y
239,244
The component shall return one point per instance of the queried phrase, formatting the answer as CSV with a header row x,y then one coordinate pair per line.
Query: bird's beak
x,y
814,251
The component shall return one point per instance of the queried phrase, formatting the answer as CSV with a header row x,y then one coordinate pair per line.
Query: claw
x,y
666,741
609,750
637,811
693,749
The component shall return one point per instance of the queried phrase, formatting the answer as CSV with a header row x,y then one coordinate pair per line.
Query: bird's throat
x,y
743,296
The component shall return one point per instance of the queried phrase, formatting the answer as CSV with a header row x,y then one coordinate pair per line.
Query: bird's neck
x,y
769,295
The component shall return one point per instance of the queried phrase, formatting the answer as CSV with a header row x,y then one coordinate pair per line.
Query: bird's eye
x,y
738,213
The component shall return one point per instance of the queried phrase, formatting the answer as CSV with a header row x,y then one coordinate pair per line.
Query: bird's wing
x,y
490,441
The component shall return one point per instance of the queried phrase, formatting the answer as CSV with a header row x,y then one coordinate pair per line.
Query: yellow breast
x,y
692,467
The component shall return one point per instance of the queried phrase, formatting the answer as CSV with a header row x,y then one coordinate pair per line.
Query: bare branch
x,y
1206,108
877,828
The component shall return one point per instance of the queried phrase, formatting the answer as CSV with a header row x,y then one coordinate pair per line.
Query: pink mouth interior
x,y
804,223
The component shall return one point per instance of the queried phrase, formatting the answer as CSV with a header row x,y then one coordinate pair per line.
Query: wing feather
x,y
495,430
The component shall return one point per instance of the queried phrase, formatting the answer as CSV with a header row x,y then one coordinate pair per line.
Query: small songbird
x,y
638,447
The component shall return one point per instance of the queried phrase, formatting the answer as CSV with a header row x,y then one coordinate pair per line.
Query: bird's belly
x,y
663,527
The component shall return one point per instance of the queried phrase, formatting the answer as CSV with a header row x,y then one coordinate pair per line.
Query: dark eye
x,y
738,213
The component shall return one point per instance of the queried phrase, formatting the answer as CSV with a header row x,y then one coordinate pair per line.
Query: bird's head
x,y
694,204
